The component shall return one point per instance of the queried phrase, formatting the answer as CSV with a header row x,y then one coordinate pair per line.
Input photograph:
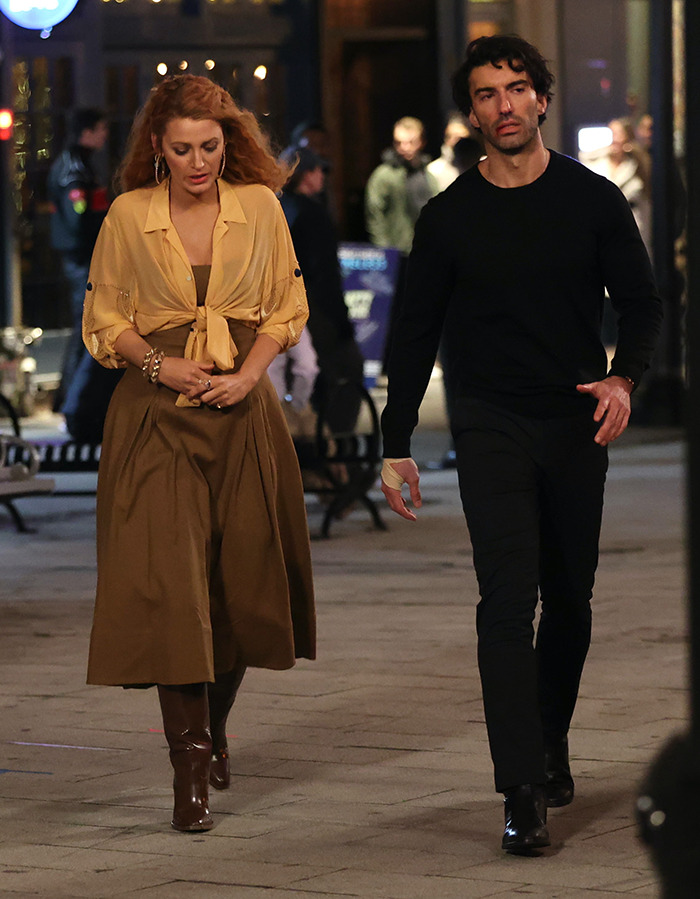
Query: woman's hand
x,y
227,390
185,376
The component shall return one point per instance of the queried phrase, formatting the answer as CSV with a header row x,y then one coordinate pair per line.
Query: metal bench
x,y
343,466
338,467
19,464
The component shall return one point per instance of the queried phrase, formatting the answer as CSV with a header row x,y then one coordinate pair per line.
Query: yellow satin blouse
x,y
140,276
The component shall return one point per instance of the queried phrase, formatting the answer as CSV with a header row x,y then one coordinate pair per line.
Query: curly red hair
x,y
249,156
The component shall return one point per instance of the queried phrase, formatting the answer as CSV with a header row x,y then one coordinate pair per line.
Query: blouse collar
x,y
158,217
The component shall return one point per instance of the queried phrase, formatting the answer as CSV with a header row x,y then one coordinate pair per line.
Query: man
x,y
398,189
514,259
396,192
79,206
316,246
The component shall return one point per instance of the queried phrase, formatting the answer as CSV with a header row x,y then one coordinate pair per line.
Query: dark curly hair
x,y
506,48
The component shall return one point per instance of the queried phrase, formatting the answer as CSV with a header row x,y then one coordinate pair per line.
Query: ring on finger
x,y
207,384
218,405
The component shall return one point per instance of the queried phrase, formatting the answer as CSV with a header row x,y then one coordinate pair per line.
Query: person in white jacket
x,y
443,169
627,164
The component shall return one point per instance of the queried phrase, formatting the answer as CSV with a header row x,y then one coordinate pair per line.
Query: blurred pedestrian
x,y
628,165
396,192
645,135
332,333
79,204
466,153
293,375
87,399
202,544
398,189
512,260
313,136
443,169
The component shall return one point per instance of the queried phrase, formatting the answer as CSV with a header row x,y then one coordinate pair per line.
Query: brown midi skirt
x,y
203,557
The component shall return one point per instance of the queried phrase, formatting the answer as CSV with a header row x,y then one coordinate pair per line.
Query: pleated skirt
x,y
203,557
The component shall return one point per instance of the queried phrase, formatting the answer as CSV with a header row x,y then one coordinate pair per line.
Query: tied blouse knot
x,y
141,279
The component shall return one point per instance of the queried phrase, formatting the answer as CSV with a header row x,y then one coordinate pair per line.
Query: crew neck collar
x,y
543,173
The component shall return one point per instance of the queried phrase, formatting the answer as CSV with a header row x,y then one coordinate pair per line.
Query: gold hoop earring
x,y
223,162
157,161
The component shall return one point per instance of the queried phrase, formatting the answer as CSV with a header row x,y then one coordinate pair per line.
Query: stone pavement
x,y
365,773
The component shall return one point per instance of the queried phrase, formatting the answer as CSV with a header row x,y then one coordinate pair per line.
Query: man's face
x,y
505,107
313,181
95,138
407,142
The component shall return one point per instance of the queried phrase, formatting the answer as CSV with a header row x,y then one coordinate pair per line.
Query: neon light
x,y
39,15
29,5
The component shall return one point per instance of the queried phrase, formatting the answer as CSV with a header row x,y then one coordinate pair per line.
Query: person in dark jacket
x,y
511,263
79,205
332,333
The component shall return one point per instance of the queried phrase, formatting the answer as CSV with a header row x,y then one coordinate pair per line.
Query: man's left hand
x,y
613,409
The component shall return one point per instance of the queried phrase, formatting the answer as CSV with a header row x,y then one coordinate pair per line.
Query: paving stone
x,y
365,773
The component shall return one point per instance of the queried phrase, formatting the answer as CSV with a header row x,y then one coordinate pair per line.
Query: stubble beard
x,y
514,149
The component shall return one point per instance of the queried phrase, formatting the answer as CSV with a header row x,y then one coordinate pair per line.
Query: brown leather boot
x,y
186,723
222,695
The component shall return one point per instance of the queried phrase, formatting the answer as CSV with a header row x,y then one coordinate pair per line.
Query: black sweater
x,y
517,277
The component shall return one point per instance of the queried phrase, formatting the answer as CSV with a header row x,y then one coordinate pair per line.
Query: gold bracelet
x,y
146,361
155,371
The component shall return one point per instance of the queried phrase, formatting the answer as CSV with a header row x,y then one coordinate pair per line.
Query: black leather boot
x,y
526,819
186,723
559,784
222,695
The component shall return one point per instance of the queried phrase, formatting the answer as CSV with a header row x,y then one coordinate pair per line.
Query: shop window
x,y
42,96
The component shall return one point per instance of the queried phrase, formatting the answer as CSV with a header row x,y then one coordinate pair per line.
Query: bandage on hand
x,y
390,475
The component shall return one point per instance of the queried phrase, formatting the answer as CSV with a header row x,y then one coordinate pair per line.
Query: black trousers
x,y
532,492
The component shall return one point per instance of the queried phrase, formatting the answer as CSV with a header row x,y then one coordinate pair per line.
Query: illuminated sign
x,y
37,14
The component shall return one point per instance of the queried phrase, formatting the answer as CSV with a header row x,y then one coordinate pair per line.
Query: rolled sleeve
x,y
285,309
109,299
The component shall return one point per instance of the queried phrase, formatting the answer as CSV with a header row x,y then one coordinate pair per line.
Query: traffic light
x,y
7,120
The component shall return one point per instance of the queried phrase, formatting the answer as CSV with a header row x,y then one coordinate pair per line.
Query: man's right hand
x,y
407,470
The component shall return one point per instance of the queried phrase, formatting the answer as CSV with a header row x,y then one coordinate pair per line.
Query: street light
x,y
7,121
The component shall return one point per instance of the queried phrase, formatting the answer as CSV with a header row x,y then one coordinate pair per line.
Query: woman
x,y
626,163
202,544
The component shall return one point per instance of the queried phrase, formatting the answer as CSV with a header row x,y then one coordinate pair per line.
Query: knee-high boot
x,y
186,723
222,695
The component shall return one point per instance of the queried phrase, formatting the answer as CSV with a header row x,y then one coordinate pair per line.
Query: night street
x,y
365,773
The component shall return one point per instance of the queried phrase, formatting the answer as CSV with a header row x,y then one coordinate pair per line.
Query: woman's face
x,y
192,149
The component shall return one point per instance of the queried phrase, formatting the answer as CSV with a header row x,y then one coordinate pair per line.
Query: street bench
x,y
341,467
19,464
338,467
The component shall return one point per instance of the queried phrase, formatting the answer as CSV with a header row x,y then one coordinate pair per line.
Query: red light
x,y
7,120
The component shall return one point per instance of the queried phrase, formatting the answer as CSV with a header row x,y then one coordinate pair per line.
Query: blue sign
x,y
369,283
37,14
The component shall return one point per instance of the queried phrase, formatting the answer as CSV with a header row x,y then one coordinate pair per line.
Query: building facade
x,y
353,65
